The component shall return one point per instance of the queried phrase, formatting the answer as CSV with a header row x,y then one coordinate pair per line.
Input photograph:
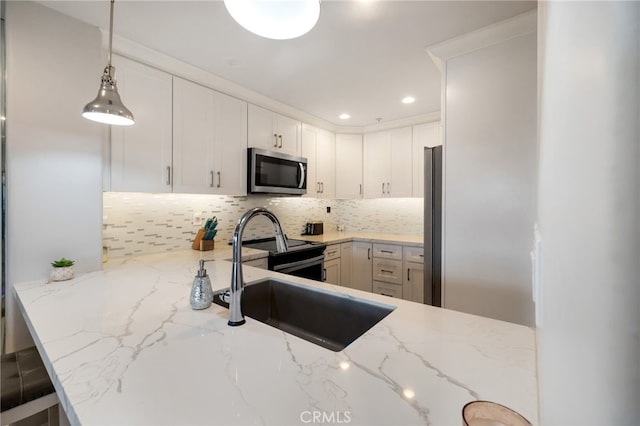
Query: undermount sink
x,y
331,320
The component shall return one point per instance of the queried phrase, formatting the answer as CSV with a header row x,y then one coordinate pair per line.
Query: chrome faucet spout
x,y
236,317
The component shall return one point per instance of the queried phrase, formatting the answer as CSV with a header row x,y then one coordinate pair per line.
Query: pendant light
x,y
107,107
275,19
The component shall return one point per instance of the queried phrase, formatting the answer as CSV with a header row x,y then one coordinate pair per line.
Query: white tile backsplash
x,y
140,223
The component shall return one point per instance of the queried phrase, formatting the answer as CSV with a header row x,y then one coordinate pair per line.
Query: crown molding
x,y
519,25
162,62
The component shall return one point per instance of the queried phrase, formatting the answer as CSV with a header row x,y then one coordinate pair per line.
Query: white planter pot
x,y
62,274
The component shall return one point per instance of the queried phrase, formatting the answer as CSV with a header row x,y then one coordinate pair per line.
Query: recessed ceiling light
x,y
408,100
344,116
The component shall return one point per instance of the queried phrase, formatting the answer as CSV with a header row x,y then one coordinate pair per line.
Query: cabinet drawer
x,y
386,270
332,252
387,251
413,254
387,289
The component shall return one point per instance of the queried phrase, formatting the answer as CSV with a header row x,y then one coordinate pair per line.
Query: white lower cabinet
x,y
387,269
361,266
413,269
332,264
346,259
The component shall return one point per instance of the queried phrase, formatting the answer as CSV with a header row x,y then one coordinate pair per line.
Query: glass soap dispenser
x,y
201,291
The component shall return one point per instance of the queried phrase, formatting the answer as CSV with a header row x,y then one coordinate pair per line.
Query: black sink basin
x,y
328,319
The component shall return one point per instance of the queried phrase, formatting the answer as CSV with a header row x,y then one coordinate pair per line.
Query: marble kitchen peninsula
x,y
123,346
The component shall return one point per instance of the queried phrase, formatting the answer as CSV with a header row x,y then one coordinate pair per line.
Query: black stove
x,y
303,258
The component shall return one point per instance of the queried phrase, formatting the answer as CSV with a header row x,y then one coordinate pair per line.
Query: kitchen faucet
x,y
236,317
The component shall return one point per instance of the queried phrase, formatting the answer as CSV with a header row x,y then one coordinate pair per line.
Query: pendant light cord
x,y
110,33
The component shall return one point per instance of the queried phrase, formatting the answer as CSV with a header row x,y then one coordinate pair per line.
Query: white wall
x,y
490,179
54,169
589,213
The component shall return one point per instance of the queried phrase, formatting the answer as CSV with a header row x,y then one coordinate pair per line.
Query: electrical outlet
x,y
199,218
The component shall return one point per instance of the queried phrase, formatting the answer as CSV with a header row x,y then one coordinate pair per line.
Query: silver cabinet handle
x,y
211,184
317,187
360,189
324,274
388,187
322,187
275,135
219,180
383,187
408,274
168,175
280,137
369,254
302,176
386,270
331,253
386,251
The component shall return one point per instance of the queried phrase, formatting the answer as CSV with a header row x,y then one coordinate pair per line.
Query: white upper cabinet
x,y
318,147
272,131
388,164
349,166
424,135
209,141
193,137
141,154
231,145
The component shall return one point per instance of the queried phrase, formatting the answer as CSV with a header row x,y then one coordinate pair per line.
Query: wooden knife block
x,y
200,244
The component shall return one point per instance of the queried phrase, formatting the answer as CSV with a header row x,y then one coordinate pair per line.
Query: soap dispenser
x,y
201,291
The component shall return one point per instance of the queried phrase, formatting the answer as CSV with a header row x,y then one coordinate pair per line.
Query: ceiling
x,y
361,58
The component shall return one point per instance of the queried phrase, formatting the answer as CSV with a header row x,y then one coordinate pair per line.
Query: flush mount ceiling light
x,y
344,116
275,19
408,100
107,107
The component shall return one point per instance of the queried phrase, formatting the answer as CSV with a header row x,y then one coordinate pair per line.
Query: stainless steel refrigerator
x,y
433,226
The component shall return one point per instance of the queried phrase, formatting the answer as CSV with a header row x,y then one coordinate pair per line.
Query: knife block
x,y
200,244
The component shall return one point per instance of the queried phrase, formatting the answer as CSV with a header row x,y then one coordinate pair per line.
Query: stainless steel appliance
x,y
302,259
314,228
276,173
433,226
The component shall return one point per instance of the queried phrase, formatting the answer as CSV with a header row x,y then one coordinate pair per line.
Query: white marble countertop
x,y
123,346
334,237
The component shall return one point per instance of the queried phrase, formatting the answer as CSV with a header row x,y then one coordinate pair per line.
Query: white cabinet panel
x,y
346,257
193,137
274,132
388,164
377,167
230,174
361,271
209,141
413,283
318,147
332,271
141,154
401,164
349,166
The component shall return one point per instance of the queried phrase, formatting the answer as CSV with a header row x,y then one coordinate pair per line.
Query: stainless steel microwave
x,y
276,173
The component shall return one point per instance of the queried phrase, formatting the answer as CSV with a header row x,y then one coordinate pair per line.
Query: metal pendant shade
x,y
107,107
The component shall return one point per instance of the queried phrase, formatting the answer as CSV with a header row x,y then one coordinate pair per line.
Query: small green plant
x,y
62,263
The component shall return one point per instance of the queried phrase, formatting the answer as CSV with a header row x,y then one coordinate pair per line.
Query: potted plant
x,y
62,270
